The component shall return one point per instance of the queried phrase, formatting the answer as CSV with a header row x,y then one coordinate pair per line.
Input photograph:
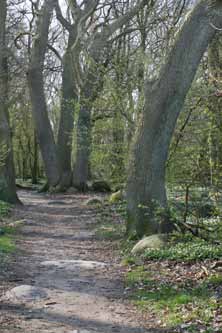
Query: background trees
x,y
87,65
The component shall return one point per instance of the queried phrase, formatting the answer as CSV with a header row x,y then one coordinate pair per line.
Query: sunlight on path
x,y
69,282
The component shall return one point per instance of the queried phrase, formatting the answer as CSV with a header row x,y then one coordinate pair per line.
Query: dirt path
x,y
77,282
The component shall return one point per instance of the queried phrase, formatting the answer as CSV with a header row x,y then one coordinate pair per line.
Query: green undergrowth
x,y
192,250
161,283
110,223
4,209
174,302
7,244
181,247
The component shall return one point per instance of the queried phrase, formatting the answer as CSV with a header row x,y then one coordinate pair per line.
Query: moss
x,y
6,244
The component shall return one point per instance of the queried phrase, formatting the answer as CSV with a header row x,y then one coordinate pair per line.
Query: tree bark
x,y
91,87
43,127
7,175
98,51
215,106
83,144
163,102
68,105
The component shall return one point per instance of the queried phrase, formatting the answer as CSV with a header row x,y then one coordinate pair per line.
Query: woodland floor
x,y
55,247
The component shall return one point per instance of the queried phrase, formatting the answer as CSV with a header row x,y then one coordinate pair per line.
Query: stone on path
x,y
26,293
74,264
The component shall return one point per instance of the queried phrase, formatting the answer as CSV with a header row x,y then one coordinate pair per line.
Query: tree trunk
x,y
89,92
7,175
99,48
164,100
39,107
68,105
83,146
215,106
35,162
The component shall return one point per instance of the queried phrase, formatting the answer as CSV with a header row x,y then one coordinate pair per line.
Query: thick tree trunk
x,y
99,53
163,103
39,107
89,92
68,105
7,175
83,146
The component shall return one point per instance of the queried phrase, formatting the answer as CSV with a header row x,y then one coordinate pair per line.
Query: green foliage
x,y
3,153
6,244
186,251
6,231
174,303
4,209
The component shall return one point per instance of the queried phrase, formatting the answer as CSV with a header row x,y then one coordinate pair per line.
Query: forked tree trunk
x,y
68,105
98,52
89,92
43,127
163,103
7,175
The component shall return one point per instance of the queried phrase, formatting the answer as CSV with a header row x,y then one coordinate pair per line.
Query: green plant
x,y
6,244
4,209
174,302
186,251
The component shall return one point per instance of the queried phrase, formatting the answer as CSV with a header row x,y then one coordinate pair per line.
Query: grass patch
x,y
6,244
173,302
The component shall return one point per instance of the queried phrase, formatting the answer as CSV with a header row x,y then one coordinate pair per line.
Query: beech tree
x,y
164,99
88,75
39,107
7,177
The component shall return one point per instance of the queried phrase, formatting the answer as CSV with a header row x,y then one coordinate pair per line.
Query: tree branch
x,y
118,23
61,18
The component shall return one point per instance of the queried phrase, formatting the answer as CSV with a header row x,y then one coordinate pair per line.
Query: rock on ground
x,y
151,242
26,293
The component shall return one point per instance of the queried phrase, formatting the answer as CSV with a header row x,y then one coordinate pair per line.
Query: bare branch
x,y
61,18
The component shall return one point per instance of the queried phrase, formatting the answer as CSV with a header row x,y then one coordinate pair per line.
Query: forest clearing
x,y
110,166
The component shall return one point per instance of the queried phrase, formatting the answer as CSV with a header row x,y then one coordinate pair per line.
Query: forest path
x,y
77,278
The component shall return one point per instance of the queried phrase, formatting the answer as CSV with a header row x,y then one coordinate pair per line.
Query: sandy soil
x,y
82,277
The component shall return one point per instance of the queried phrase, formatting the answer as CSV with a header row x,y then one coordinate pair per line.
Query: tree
x,y
98,54
164,101
7,177
39,107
